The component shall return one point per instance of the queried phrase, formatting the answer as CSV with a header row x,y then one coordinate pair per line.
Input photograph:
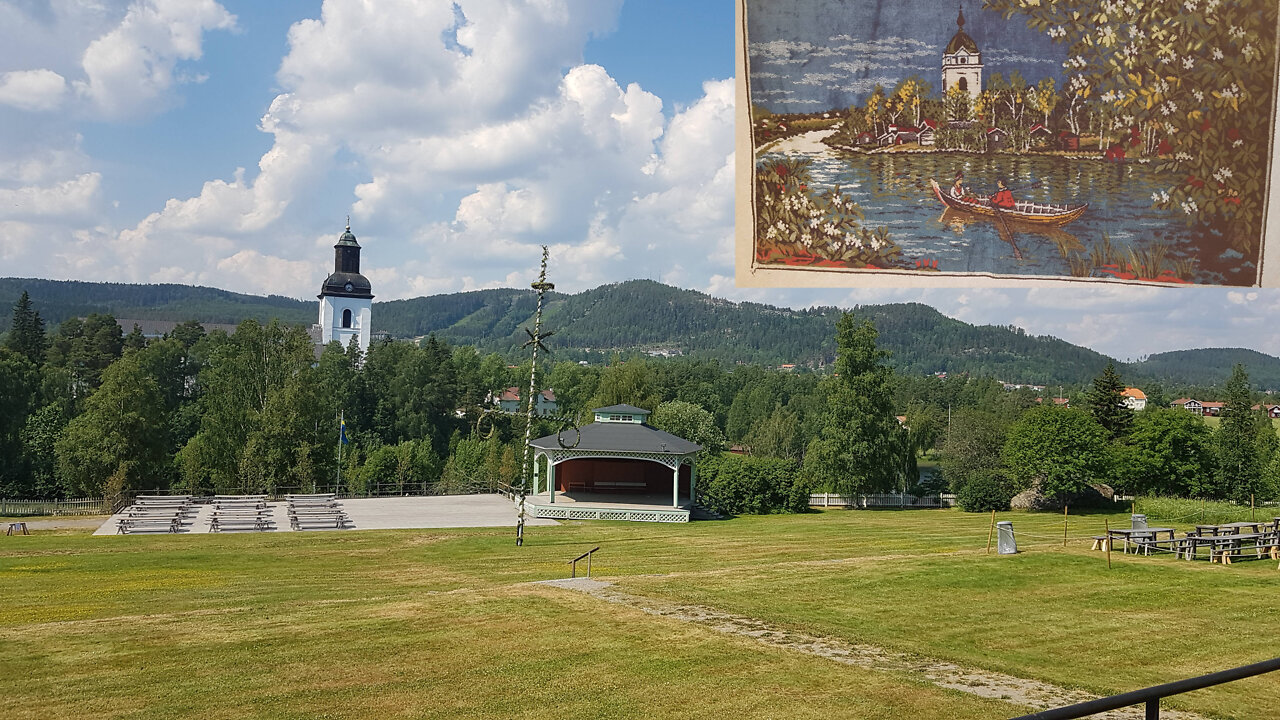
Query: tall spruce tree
x,y
1239,473
858,448
27,334
1106,403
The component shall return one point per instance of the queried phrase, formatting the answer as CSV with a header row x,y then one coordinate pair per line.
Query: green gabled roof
x,y
623,409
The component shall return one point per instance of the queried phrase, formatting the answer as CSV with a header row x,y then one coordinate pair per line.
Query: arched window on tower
x,y
964,87
346,318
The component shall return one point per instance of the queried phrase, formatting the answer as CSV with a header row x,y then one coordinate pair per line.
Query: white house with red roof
x,y
509,401
1134,399
927,132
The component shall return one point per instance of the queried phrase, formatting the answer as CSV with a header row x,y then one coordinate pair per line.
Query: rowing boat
x,y
1022,211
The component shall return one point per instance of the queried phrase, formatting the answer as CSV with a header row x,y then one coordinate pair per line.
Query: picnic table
x,y
1143,538
1234,528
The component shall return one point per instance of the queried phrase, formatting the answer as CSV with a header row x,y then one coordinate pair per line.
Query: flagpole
x,y
342,428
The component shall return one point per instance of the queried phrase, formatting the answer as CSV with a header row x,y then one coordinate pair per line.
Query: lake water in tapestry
x,y
1124,141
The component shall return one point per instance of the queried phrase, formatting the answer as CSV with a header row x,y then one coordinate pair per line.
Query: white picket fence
x,y
882,500
27,508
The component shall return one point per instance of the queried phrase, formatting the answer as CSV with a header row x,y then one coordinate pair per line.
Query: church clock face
x,y
349,287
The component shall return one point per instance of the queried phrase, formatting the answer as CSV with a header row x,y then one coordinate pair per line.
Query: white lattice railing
x,y
879,500
567,512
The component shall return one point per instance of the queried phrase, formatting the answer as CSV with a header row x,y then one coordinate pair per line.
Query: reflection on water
x,y
894,191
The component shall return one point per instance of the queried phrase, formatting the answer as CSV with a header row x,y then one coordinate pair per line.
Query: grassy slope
x,y
435,623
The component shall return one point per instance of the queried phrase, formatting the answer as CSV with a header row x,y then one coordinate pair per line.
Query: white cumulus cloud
x,y
33,90
129,70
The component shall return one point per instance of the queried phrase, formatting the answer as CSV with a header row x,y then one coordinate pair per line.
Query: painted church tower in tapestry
x,y
961,62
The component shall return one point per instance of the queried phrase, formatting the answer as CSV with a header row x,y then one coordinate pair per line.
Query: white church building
x,y
962,62
346,298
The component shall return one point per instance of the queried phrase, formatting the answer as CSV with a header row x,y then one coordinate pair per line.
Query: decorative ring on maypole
x,y
568,424
480,425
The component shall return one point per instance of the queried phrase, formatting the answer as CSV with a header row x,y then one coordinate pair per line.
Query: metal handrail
x,y
1152,695
574,562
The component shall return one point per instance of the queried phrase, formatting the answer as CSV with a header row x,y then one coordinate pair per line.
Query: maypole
x,y
535,341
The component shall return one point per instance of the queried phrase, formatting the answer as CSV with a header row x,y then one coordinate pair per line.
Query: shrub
x,y
740,485
983,493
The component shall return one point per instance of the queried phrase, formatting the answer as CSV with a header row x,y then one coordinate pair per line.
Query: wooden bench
x,y
1224,546
17,528
620,485
128,525
303,522
1099,542
218,524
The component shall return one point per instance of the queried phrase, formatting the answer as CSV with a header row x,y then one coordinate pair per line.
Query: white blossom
x,y
1217,53
1237,143
1188,62
1190,5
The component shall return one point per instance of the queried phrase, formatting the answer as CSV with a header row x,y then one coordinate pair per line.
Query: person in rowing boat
x,y
1003,198
957,189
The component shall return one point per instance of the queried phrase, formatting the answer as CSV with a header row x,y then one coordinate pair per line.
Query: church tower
x,y
961,62
346,297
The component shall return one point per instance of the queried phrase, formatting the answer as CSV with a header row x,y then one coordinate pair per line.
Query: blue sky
x,y
809,55
224,143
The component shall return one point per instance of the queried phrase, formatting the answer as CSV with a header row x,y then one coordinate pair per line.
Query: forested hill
x,y
57,300
648,316
645,316
1210,367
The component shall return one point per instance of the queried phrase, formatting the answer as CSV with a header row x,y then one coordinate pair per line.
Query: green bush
x,y
741,485
983,493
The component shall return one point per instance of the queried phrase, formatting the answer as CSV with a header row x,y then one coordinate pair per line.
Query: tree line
x,y
90,410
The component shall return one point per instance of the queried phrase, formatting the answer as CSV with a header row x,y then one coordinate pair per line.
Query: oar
x,y
1032,186
1017,254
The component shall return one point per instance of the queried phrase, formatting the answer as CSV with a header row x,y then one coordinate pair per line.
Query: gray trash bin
x,y
1138,522
1006,543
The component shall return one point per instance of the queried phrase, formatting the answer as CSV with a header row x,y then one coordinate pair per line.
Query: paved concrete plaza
x,y
436,511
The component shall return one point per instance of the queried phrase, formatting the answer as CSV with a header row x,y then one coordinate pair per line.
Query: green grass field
x,y
445,623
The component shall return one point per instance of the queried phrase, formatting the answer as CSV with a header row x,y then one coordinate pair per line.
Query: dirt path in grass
x,y
983,683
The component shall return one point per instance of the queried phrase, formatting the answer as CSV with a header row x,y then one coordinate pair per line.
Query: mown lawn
x,y
442,623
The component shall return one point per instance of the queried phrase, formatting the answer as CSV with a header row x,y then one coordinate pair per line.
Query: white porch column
x,y
534,479
675,487
551,480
